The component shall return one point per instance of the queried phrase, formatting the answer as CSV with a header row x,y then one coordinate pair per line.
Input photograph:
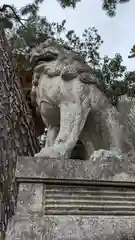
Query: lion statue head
x,y
63,61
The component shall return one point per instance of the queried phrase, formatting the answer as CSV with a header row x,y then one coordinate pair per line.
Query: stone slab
x,y
42,213
73,228
61,200
42,169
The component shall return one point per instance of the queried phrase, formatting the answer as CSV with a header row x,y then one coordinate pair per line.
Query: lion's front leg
x,y
73,118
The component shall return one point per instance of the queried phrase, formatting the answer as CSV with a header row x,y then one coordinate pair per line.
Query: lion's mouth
x,y
39,62
47,57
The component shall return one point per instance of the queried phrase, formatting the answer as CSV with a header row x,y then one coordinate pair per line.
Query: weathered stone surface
x,y
72,105
103,165
109,165
75,228
30,197
126,106
93,228
87,200
74,199
92,212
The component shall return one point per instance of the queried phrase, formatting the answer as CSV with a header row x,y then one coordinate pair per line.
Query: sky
x,y
118,33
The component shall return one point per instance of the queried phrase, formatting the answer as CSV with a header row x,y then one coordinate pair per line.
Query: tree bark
x,y
17,131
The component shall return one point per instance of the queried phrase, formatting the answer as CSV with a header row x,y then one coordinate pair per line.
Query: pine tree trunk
x,y
17,133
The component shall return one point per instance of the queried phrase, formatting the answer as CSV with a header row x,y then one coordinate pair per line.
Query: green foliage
x,y
129,81
68,3
7,15
31,9
35,29
132,52
112,76
108,5
88,44
112,69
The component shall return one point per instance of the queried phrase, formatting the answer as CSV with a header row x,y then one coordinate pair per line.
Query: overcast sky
x,y
118,33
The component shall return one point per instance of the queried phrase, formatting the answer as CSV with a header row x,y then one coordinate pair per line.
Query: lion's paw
x,y
41,153
48,152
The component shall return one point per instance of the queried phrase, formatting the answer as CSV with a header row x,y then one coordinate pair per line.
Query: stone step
x,y
89,201
100,212
68,201
74,209
89,207
89,196
90,192
87,187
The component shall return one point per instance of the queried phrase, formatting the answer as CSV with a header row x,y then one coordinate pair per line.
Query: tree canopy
x,y
25,27
29,28
109,6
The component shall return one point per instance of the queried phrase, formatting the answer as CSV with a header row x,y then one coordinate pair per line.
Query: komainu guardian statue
x,y
72,105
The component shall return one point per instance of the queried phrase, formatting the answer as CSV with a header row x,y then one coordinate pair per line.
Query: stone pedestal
x,y
62,200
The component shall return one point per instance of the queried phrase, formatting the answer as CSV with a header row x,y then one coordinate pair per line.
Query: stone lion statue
x,y
72,105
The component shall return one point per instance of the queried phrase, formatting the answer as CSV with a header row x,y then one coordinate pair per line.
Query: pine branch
x,y
4,8
131,56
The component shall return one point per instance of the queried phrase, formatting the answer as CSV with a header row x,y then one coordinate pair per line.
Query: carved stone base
x,y
62,199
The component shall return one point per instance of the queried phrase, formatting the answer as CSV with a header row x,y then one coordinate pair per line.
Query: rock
x,y
106,164
126,106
